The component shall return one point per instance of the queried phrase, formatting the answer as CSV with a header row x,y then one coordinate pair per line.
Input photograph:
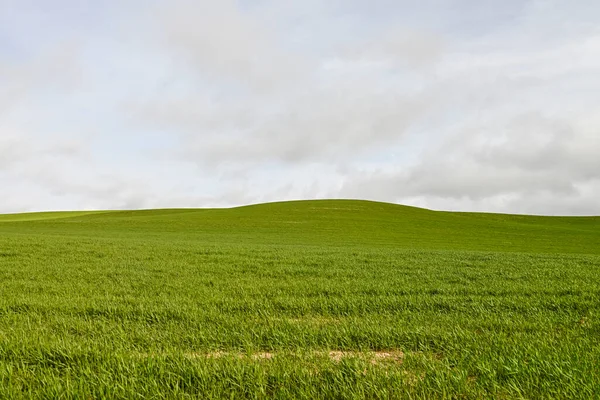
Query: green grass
x,y
39,216
311,299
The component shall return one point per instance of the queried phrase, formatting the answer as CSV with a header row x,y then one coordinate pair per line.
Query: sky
x,y
468,105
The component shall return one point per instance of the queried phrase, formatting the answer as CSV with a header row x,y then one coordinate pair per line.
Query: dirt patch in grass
x,y
375,357
262,356
394,356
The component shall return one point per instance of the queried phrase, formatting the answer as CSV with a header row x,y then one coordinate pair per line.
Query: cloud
x,y
532,164
469,105
219,41
275,103
398,47
51,69
328,124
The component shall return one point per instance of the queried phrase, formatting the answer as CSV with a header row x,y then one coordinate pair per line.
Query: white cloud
x,y
218,41
531,164
454,105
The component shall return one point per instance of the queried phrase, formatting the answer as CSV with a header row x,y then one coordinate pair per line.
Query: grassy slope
x,y
132,302
335,222
41,216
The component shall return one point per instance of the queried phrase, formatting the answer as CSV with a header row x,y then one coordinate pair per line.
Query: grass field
x,y
311,299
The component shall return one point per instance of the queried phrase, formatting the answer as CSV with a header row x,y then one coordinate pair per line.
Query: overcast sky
x,y
472,105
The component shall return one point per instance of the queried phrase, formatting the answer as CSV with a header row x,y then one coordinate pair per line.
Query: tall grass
x,y
320,299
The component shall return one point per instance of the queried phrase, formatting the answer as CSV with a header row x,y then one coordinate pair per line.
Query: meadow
x,y
309,299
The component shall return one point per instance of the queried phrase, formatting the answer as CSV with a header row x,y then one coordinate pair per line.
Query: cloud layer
x,y
461,105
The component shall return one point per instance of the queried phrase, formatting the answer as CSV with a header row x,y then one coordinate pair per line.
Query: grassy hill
x,y
304,299
331,222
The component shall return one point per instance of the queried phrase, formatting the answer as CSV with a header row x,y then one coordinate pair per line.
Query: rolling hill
x,y
332,222
301,299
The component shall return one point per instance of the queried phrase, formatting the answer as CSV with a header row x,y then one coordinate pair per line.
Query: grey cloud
x,y
533,143
220,40
534,163
18,149
12,150
60,181
64,174
112,191
514,145
398,47
336,123
55,68
489,105
310,112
